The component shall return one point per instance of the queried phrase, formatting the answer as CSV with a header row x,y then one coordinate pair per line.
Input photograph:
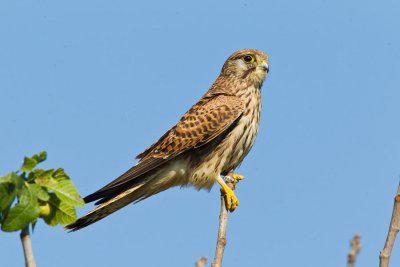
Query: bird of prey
x,y
208,142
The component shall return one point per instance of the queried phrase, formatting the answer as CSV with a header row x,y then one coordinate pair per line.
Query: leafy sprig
x,y
31,193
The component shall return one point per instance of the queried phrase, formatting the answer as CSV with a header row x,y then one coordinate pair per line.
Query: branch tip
x,y
394,226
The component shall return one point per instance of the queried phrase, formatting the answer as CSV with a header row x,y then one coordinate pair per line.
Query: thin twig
x,y
201,262
221,241
355,247
393,230
27,246
223,221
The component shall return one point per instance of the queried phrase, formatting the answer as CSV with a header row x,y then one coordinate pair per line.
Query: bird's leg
x,y
231,200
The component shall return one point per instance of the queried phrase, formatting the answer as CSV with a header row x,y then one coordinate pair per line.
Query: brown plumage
x,y
210,140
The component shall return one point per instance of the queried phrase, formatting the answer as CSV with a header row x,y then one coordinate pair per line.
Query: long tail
x,y
149,186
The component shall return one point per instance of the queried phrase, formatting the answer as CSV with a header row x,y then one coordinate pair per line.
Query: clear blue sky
x,y
95,82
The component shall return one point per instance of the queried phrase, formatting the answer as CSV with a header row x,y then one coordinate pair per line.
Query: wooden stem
x,y
221,240
223,221
392,233
27,246
201,262
355,247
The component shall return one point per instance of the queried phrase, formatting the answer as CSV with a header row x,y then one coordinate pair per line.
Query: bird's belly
x,y
227,155
243,139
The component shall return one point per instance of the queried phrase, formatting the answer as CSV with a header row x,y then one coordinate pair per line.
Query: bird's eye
x,y
248,59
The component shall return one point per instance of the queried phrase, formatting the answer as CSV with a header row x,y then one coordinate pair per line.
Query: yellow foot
x,y
230,198
233,178
237,177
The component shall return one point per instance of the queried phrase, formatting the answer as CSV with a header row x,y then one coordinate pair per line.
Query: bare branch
x,y
201,262
393,230
221,241
223,221
355,247
27,246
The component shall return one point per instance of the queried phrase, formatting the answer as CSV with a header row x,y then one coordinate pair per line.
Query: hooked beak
x,y
264,65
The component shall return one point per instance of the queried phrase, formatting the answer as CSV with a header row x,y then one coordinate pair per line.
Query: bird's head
x,y
247,64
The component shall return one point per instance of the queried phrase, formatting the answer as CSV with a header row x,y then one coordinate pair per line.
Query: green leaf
x,y
67,192
60,174
41,176
42,156
31,162
24,212
60,212
14,178
7,178
10,186
61,185
39,192
7,195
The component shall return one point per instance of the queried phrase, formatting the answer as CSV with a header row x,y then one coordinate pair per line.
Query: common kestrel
x,y
208,142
